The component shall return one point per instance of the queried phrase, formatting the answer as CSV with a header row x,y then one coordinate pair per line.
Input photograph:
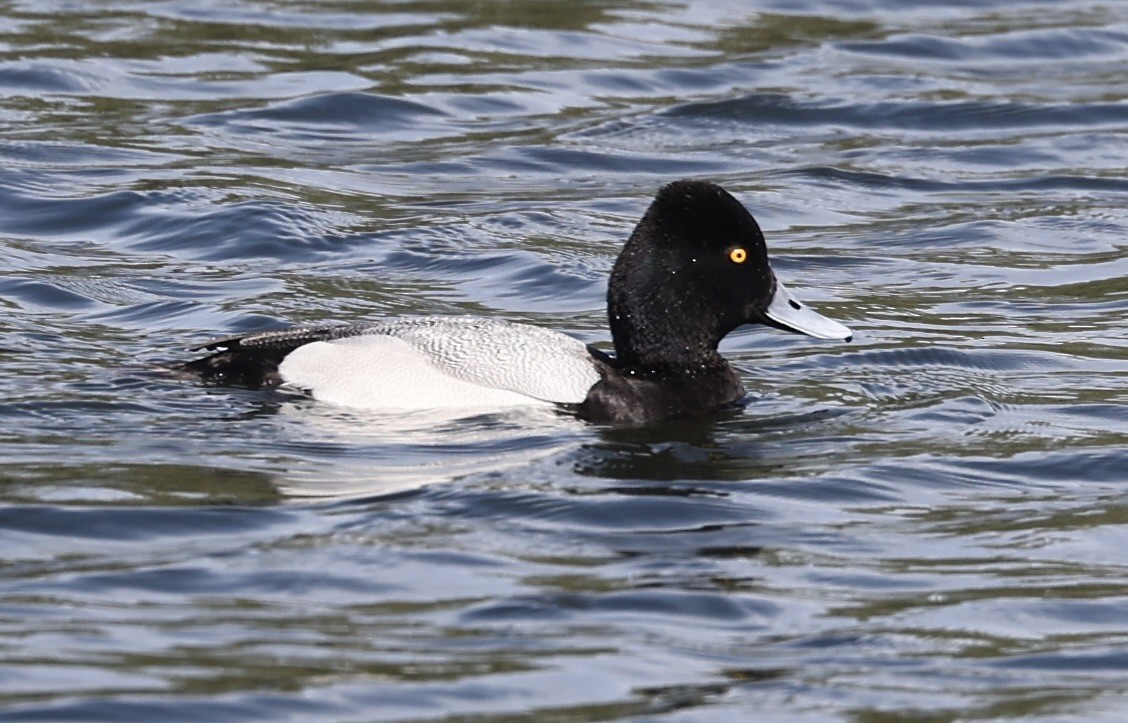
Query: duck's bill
x,y
787,312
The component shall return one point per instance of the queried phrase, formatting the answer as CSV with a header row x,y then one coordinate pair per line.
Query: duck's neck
x,y
650,337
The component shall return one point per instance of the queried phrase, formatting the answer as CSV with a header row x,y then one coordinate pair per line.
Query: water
x,y
927,523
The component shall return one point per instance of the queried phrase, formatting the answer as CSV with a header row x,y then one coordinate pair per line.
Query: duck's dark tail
x,y
237,367
252,360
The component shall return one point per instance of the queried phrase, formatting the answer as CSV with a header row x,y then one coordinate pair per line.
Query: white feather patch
x,y
437,362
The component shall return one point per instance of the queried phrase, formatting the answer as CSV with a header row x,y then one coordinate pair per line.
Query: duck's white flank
x,y
437,362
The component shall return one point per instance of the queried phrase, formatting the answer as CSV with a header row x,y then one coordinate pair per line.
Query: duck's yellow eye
x,y
738,255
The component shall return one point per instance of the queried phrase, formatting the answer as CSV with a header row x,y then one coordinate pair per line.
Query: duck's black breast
x,y
634,397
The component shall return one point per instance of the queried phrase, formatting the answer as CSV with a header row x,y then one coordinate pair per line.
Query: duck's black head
x,y
695,268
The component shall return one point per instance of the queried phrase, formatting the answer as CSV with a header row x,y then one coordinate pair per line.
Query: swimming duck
x,y
695,268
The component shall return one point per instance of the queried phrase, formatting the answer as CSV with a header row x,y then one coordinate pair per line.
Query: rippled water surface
x,y
928,523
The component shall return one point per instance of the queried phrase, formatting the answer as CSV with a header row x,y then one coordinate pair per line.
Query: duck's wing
x,y
494,354
487,354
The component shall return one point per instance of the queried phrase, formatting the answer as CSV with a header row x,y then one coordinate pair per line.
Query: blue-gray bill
x,y
790,313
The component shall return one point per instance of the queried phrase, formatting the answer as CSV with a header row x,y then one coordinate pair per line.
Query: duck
x,y
694,269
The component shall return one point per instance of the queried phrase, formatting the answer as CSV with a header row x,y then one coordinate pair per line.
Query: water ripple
x,y
927,522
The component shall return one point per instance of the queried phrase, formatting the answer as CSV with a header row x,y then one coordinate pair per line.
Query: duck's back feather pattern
x,y
344,361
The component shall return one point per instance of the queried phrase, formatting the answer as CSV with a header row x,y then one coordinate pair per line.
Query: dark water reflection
x,y
928,522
